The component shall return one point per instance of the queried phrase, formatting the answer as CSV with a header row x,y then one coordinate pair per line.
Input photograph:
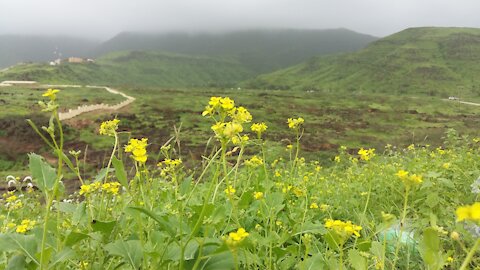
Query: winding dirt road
x,y
88,108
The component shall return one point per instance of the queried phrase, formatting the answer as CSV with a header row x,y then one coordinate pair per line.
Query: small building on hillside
x,y
77,60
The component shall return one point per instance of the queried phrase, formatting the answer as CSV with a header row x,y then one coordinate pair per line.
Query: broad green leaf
x,y
333,240
186,185
357,261
75,237
26,244
65,254
313,263
131,251
222,261
430,249
79,214
43,174
160,220
17,262
120,172
102,173
104,227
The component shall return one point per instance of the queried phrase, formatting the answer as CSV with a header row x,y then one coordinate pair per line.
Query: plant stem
x,y
470,255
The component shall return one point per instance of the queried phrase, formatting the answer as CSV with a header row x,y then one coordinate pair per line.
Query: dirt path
x,y
88,108
464,102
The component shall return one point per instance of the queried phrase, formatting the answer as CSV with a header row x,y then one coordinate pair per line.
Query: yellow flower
x,y
231,129
469,213
11,199
344,229
241,115
109,127
230,191
234,238
138,149
295,123
337,159
25,226
254,162
402,174
313,206
324,207
259,128
366,154
51,93
446,165
258,195
239,140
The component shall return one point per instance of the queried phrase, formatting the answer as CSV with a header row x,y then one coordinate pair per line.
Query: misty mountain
x,y
16,48
430,60
258,50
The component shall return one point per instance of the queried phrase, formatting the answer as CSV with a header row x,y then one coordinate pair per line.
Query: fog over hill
x,y
258,50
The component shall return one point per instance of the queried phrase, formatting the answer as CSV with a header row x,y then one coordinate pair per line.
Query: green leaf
x,y
65,254
43,174
186,185
120,172
26,244
75,237
79,214
334,241
104,227
357,261
131,251
102,173
222,261
430,249
313,263
17,262
164,224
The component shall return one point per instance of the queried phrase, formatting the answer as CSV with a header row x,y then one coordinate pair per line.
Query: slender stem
x,y
470,255
402,225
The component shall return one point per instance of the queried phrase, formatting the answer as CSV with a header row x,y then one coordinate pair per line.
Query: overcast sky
x,y
102,19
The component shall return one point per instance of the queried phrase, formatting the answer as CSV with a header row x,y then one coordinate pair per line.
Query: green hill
x,y
258,50
137,68
429,60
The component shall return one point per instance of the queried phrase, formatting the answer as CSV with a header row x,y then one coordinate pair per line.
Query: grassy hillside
x,y
435,61
15,48
258,50
136,68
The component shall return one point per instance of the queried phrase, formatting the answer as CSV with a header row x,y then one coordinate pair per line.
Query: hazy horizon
x,y
102,20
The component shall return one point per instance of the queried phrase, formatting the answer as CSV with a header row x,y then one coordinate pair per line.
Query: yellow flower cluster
x,y
238,140
231,127
409,180
344,229
234,238
295,123
110,187
366,154
51,93
469,213
258,195
259,128
218,104
12,201
169,166
230,191
138,149
254,162
109,127
25,226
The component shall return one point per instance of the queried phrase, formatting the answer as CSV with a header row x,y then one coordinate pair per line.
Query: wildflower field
x,y
412,208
